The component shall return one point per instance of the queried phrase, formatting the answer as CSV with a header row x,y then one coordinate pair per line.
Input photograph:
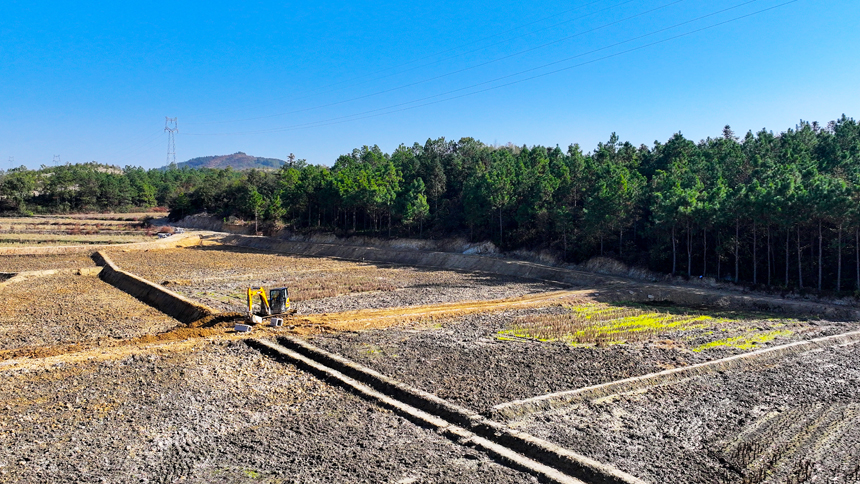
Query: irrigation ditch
x,y
490,432
518,449
519,408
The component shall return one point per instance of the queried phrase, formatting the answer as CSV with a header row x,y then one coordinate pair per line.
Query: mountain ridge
x,y
238,161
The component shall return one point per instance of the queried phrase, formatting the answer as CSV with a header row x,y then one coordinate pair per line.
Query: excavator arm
x,y
265,308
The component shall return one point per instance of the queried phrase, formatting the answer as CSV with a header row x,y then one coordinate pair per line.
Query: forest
x,y
767,209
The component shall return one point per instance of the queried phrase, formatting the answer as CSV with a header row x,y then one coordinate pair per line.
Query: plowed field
x,y
215,412
95,386
64,308
791,422
22,263
219,276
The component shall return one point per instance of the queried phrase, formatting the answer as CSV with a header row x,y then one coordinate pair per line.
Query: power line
x,y
437,61
134,145
352,80
458,71
388,109
129,153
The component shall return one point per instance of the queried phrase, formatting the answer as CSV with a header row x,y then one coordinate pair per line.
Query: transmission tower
x,y
11,162
56,160
171,127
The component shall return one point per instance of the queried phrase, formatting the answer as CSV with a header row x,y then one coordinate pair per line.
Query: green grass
x,y
599,324
745,342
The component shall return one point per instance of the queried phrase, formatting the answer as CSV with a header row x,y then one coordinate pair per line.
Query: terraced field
x,y
67,308
96,386
220,275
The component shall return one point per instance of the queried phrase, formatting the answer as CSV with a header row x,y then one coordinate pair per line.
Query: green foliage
x,y
776,209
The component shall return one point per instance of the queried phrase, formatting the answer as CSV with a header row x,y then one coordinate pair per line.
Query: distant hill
x,y
238,161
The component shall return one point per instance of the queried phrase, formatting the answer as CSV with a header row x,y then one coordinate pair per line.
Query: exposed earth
x,y
99,387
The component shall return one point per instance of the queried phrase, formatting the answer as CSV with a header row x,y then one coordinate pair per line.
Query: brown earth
x,y
465,356
63,309
23,263
97,387
218,276
210,412
793,421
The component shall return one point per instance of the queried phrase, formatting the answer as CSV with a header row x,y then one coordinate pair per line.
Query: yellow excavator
x,y
274,306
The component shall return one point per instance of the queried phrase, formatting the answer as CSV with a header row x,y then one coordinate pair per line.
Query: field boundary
x,y
543,403
17,277
157,296
178,240
541,451
617,288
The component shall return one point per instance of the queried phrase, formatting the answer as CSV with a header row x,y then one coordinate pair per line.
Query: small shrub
x,y
166,229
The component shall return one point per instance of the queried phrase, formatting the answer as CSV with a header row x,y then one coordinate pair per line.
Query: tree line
x,y
778,210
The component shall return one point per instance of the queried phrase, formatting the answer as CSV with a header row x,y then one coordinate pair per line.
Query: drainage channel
x,y
519,408
519,450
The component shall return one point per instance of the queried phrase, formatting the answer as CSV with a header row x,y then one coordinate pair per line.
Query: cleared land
x,y
479,360
22,263
213,412
65,308
94,229
114,391
219,276
794,421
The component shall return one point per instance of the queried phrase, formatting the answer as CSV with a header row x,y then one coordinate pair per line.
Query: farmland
x,y
99,386
75,230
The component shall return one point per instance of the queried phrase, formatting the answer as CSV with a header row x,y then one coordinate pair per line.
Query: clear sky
x,y
93,81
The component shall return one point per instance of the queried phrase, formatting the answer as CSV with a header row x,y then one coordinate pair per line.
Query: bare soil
x,y
213,412
465,358
103,388
65,308
219,276
790,422
23,263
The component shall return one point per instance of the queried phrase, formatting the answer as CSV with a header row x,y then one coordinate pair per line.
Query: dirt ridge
x,y
542,403
546,453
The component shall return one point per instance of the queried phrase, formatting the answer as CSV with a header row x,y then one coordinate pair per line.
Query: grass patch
x,y
251,473
745,342
599,324
603,324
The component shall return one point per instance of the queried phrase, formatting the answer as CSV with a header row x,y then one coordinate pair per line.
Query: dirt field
x,y
792,422
218,276
21,263
141,399
66,308
86,229
210,412
473,359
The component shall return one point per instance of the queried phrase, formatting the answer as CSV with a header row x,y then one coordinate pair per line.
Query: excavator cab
x,y
279,300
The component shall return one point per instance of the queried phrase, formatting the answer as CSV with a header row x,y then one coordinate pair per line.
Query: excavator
x,y
273,307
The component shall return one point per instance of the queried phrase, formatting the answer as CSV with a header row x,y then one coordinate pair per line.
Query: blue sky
x,y
92,82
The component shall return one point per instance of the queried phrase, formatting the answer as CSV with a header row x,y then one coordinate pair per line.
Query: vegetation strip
x,y
546,453
166,301
520,408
